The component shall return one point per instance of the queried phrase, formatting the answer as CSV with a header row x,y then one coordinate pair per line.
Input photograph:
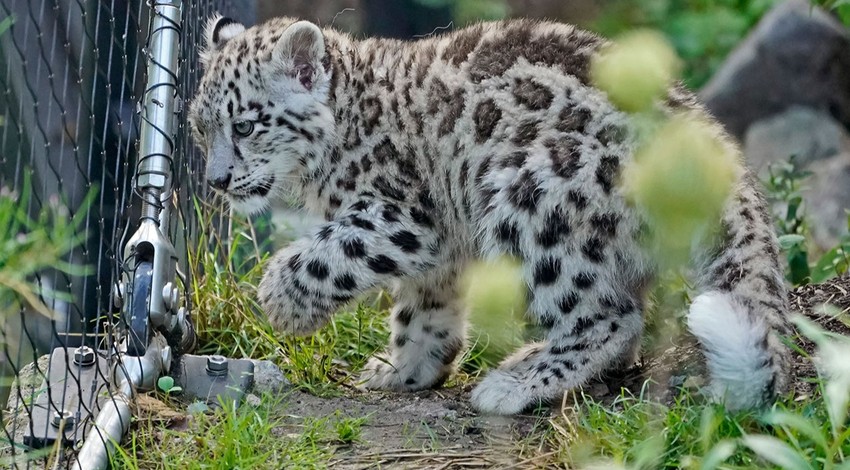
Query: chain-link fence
x,y
72,78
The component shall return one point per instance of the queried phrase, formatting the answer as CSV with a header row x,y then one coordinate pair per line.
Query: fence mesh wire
x,y
71,75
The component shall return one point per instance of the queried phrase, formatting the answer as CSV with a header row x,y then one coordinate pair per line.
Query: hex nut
x,y
58,416
84,356
217,365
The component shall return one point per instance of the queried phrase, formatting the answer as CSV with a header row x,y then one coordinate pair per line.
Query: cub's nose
x,y
220,182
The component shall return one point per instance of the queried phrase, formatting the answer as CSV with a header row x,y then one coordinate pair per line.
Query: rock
x,y
597,389
27,383
827,197
253,400
694,382
26,386
821,146
268,378
676,381
809,134
796,55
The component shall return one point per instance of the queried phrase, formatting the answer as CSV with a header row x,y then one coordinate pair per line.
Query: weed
x,y
230,437
30,245
784,185
225,273
349,430
167,386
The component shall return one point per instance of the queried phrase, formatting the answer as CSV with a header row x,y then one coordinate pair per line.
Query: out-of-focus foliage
x,y
636,70
28,246
468,11
840,7
703,32
683,172
784,186
494,294
682,176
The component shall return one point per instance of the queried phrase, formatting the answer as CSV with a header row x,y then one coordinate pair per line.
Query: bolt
x,y
166,356
59,416
170,296
217,366
118,296
189,339
84,356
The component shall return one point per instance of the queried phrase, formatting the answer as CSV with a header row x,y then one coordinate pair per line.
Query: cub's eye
x,y
243,128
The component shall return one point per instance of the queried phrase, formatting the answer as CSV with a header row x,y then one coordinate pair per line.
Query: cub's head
x,y
261,114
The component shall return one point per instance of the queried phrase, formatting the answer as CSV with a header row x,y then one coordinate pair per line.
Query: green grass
x,y
645,434
795,433
238,438
634,432
230,322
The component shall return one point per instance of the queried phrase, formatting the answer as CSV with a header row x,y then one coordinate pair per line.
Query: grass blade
x,y
718,454
776,452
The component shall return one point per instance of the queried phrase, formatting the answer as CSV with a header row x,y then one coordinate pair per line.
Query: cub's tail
x,y
742,313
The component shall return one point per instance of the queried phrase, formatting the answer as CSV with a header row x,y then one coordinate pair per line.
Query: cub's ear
x,y
301,52
219,30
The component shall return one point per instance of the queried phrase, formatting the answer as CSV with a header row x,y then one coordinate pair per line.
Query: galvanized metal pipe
x,y
153,180
130,375
111,424
156,144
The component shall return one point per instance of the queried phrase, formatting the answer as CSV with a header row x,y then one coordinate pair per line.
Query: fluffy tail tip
x,y
734,345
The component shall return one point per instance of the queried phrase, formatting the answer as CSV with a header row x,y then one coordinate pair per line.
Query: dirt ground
x,y
438,428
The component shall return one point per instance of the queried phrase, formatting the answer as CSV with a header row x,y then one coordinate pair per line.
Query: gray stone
x,y
253,400
821,146
796,55
26,386
827,197
808,134
27,383
268,378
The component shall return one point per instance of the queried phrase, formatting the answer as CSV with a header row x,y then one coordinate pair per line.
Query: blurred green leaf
x,y
789,241
776,452
799,424
718,454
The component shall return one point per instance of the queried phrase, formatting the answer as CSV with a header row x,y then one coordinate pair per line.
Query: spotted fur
x,y
490,140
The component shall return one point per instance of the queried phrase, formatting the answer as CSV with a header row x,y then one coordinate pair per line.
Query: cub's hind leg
x,y
597,334
427,333
590,303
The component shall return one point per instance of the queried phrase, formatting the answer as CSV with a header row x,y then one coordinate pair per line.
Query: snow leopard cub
x,y
490,140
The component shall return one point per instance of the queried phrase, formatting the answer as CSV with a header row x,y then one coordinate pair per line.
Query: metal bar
x,y
154,175
154,179
131,374
111,424
156,143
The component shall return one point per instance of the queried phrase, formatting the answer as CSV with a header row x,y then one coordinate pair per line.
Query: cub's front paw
x,y
288,303
378,374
